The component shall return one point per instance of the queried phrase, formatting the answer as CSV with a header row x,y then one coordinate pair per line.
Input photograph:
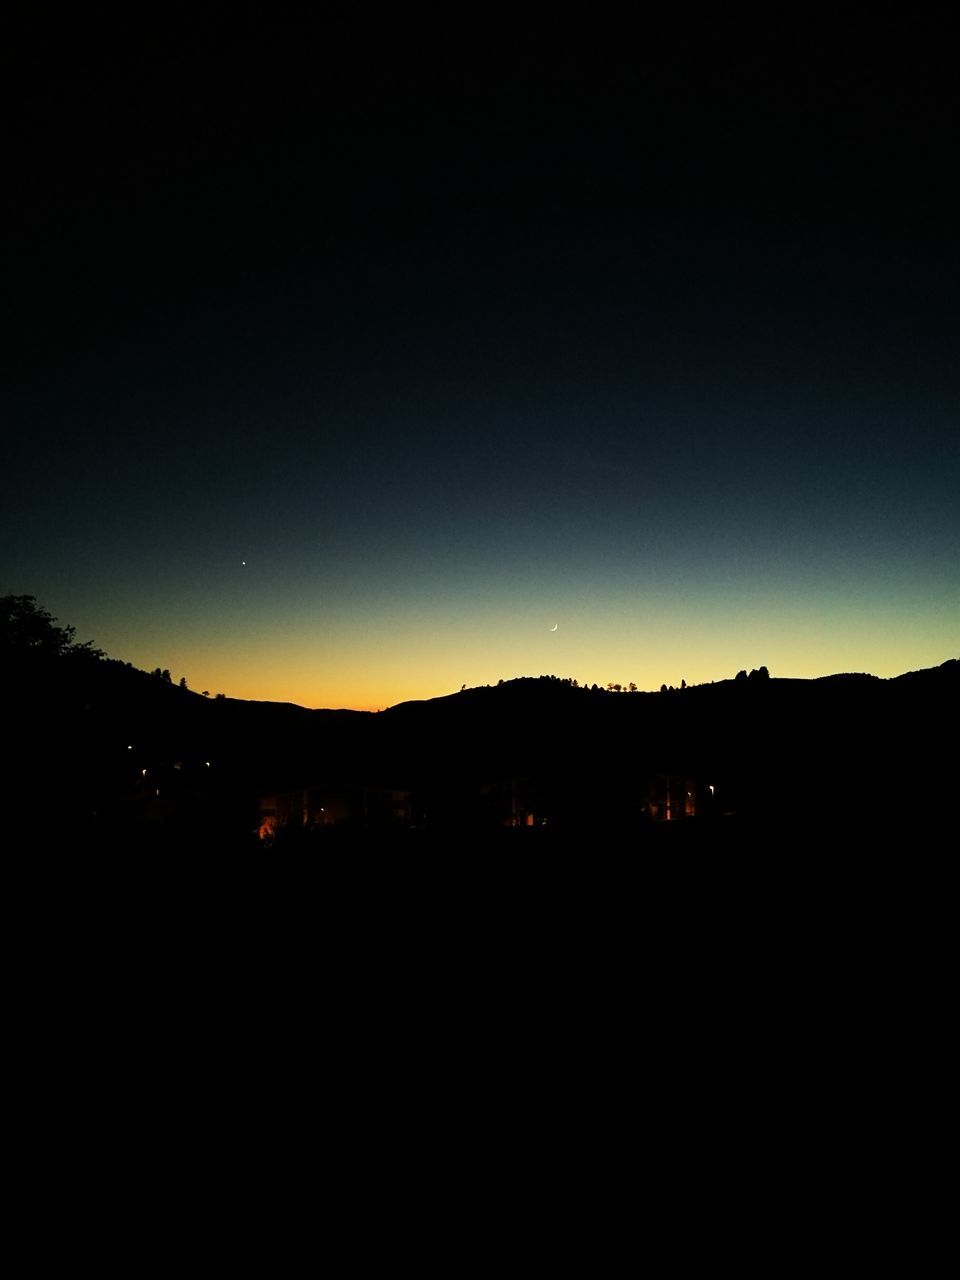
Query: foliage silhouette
x,y
26,627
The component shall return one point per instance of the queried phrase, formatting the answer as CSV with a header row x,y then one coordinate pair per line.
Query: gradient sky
x,y
456,336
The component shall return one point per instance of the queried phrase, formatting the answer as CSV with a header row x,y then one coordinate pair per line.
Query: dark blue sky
x,y
456,335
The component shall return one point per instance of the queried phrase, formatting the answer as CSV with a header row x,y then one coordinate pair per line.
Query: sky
x,y
347,364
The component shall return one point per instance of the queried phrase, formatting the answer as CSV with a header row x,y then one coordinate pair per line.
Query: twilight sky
x,y
341,363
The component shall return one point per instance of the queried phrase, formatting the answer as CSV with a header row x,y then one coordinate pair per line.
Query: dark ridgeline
x,y
104,752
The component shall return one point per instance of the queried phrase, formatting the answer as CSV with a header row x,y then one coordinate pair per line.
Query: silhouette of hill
x,y
839,747
103,748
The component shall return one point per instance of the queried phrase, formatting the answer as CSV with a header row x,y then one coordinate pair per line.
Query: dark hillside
x,y
96,746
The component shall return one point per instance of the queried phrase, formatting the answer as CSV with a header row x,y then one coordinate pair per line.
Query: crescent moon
x,y
554,627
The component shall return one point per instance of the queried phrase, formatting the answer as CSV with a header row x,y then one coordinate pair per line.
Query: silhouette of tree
x,y
741,675
26,627
165,675
683,684
183,682
663,689
633,687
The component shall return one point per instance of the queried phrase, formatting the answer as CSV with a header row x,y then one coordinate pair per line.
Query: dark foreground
x,y
832,839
